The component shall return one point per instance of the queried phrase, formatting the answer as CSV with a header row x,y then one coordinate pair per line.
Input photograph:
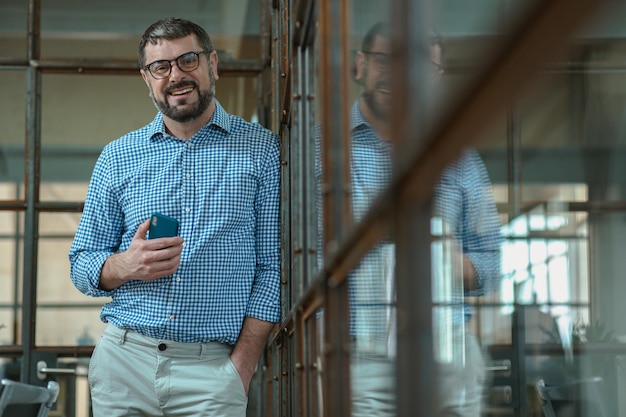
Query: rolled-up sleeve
x,y
264,303
99,232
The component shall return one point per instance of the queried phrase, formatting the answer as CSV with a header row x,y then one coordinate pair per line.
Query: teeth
x,y
185,91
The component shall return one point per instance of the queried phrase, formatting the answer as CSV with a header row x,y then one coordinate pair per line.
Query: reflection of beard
x,y
380,110
196,110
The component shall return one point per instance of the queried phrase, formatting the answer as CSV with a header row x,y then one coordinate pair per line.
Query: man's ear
x,y
144,76
359,61
213,63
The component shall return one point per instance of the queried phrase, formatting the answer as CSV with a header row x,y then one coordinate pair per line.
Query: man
x,y
189,315
463,204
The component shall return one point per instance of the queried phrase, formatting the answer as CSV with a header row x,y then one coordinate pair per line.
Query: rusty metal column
x,y
31,217
334,82
412,100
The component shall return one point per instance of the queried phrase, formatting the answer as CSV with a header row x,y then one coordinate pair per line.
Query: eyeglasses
x,y
381,60
436,68
162,68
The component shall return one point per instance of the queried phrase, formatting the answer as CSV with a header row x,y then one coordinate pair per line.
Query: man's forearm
x,y
469,274
250,344
109,279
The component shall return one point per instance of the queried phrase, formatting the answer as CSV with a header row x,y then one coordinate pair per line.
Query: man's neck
x,y
188,129
382,127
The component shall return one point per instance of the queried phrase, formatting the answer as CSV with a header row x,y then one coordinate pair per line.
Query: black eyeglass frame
x,y
437,67
379,57
169,64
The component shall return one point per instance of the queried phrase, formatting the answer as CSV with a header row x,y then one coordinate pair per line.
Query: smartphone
x,y
162,226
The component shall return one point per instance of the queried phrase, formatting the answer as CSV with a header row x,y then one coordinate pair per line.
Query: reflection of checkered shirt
x,y
223,185
464,200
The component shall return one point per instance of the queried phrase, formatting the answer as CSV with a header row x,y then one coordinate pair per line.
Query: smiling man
x,y
190,314
463,200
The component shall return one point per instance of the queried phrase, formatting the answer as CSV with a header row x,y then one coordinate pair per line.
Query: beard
x,y
380,110
183,115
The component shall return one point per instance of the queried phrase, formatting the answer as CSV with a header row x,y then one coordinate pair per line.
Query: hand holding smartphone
x,y
162,226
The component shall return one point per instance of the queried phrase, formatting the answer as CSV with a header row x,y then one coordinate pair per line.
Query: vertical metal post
x,y
514,162
412,99
519,350
31,220
334,83
416,376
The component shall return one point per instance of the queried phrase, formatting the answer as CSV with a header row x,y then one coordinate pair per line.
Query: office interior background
x,y
538,87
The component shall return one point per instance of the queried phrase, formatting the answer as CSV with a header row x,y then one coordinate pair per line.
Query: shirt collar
x,y
362,131
356,117
220,119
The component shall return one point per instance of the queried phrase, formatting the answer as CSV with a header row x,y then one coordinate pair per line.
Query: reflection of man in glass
x,y
464,205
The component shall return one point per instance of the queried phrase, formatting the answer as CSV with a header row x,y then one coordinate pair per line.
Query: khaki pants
x,y
132,375
373,381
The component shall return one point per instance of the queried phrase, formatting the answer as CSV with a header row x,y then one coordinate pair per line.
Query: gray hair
x,y
170,29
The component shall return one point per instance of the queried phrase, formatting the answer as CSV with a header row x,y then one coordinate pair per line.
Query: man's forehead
x,y
167,46
381,44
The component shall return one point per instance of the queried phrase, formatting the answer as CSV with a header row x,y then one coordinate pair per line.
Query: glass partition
x,y
551,159
97,31
12,117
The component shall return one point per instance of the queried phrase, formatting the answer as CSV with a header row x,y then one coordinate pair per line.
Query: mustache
x,y
384,84
184,83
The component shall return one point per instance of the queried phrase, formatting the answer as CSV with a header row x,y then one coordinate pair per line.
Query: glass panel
x,y
12,118
471,33
465,227
7,269
68,325
371,285
372,301
11,249
13,33
314,366
238,95
70,154
563,255
96,30
8,290
10,319
466,262
64,315
369,105
96,109
573,130
63,191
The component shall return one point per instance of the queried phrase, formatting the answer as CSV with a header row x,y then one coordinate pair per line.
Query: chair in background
x,y
586,391
18,399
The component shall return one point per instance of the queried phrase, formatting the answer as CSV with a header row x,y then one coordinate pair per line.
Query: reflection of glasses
x,y
162,68
436,67
382,60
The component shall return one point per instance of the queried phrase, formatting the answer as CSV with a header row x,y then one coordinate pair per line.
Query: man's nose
x,y
175,72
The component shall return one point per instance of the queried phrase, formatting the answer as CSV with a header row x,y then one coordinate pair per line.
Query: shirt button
x,y
172,317
187,209
188,175
162,347
177,279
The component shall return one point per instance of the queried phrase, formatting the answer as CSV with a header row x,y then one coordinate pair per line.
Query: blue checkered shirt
x,y
463,200
223,185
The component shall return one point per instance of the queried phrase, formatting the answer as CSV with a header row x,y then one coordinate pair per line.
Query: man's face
x,y
182,96
373,68
373,76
